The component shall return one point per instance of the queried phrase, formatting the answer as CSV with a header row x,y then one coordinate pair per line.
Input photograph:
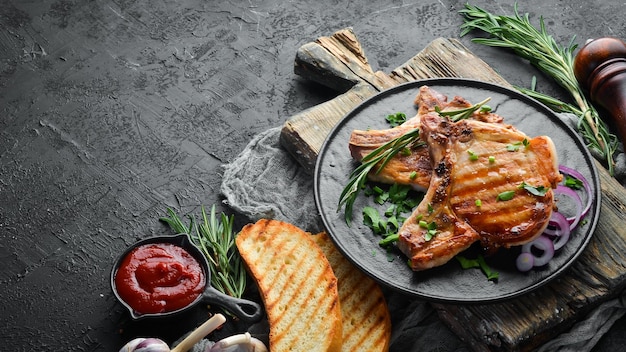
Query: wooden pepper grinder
x,y
600,68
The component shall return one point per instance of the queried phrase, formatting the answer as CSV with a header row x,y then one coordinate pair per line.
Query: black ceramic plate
x,y
448,283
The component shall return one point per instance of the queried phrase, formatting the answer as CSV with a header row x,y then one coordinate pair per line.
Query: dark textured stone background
x,y
113,110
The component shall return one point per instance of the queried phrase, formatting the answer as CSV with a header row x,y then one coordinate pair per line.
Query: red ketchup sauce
x,y
159,278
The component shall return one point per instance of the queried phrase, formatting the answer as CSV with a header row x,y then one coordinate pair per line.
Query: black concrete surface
x,y
113,110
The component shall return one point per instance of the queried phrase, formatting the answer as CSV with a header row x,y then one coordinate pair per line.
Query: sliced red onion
x,y
569,171
544,245
525,262
561,230
566,191
560,227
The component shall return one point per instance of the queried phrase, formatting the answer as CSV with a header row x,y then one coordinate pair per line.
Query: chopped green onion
x,y
388,240
472,156
515,146
512,147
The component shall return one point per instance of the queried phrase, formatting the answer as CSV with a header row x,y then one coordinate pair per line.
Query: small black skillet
x,y
247,311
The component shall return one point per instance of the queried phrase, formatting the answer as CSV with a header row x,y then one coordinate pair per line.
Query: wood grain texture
x,y
521,324
339,62
530,320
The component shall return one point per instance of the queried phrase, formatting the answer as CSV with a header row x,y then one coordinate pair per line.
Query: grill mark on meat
x,y
415,169
457,181
453,182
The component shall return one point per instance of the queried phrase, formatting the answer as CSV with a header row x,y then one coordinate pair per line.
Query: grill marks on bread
x,y
366,320
297,285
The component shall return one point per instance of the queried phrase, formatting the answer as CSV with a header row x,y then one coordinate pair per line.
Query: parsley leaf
x,y
479,262
399,200
506,195
372,219
534,190
573,182
396,119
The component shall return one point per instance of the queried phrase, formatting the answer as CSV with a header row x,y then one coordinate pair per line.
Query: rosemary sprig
x,y
461,114
381,156
541,50
215,238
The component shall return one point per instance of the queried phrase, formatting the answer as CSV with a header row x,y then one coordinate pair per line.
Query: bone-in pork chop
x,y
476,190
410,168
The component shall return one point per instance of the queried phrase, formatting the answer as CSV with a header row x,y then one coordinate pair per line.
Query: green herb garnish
x,y
472,156
431,229
479,262
515,146
387,224
373,220
506,195
396,119
216,239
461,114
534,190
380,156
541,50
573,182
388,240
377,159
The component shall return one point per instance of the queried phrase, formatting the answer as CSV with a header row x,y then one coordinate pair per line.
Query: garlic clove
x,y
239,343
141,344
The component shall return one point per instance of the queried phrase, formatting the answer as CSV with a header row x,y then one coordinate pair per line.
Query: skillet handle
x,y
246,310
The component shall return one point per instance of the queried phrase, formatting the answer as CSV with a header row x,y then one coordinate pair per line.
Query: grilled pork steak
x,y
474,164
410,169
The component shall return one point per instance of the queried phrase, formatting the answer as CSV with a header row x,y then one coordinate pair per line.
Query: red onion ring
x,y
560,227
563,190
561,230
525,262
569,171
543,244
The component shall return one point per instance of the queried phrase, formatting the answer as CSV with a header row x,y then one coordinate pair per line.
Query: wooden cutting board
x,y
520,324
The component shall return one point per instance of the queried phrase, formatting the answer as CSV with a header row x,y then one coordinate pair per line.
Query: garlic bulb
x,y
238,343
146,345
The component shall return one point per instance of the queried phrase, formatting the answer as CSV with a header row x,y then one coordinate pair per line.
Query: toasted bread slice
x,y
364,312
297,286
